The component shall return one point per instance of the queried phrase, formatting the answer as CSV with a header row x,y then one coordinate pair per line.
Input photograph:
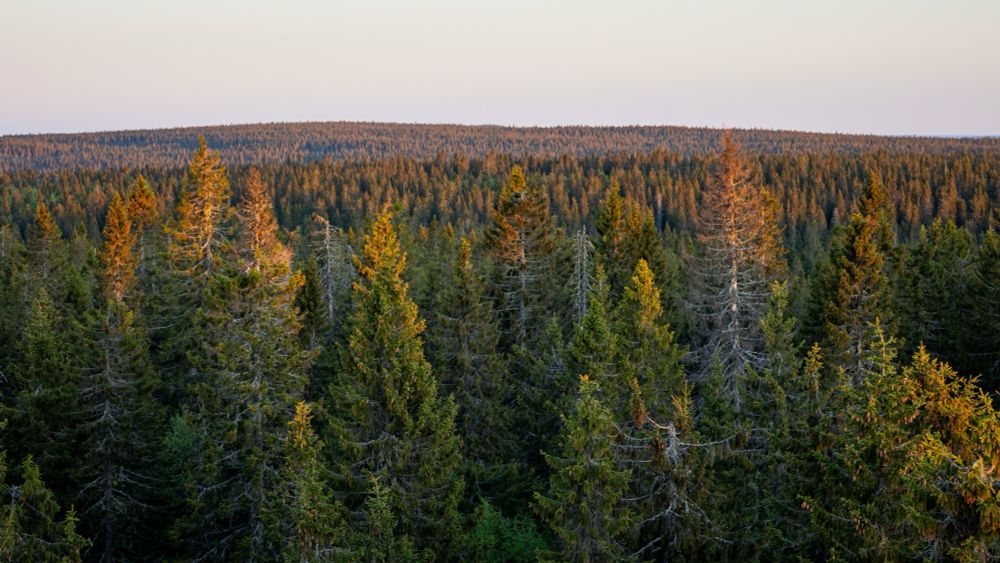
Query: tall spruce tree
x,y
120,414
197,240
521,240
388,420
463,346
251,372
741,255
852,290
584,502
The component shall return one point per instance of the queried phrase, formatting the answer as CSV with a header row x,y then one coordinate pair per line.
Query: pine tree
x,y
583,505
741,256
852,289
251,373
388,419
521,240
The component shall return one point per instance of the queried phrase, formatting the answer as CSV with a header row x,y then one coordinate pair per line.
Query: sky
x,y
873,66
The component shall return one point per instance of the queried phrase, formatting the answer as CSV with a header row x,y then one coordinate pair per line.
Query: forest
x,y
474,345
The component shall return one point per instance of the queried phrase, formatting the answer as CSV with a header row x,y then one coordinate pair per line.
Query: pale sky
x,y
868,66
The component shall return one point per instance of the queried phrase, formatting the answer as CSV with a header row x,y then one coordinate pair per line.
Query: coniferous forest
x,y
739,346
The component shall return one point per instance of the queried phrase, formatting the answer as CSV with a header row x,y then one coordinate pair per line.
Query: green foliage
x,y
433,448
388,420
852,288
584,503
31,528
496,538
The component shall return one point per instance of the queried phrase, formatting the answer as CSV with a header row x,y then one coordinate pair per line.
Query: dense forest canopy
x,y
367,342
278,142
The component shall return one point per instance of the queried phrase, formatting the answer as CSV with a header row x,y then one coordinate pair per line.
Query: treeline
x,y
229,373
303,142
814,191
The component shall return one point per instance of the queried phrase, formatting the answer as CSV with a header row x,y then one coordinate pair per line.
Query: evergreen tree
x,y
388,419
932,292
121,418
521,240
303,517
921,451
44,410
583,276
982,334
594,349
31,528
463,346
47,255
583,505
651,354
12,266
251,373
143,211
196,249
741,256
851,290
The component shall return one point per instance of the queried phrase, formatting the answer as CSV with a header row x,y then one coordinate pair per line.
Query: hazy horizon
x,y
515,126
884,67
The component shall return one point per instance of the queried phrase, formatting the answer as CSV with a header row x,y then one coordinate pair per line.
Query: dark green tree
x,y
464,350
584,503
387,417
251,372
852,290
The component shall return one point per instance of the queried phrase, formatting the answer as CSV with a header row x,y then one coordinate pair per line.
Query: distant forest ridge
x,y
279,142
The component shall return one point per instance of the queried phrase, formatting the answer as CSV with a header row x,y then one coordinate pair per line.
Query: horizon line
x,y
509,126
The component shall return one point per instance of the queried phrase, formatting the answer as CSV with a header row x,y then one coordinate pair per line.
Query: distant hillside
x,y
278,142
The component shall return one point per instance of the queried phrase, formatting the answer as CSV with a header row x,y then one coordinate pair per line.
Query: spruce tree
x,y
651,354
463,346
32,529
982,334
143,211
251,371
120,414
303,518
851,290
197,241
388,420
583,505
521,240
594,350
741,255
44,410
